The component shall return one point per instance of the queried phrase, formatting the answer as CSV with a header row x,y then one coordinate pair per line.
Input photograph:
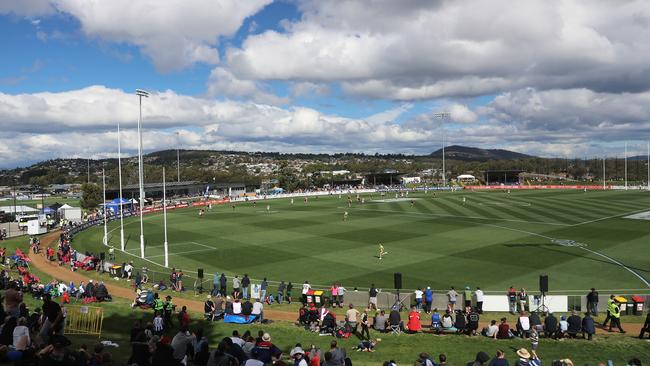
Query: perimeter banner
x,y
592,187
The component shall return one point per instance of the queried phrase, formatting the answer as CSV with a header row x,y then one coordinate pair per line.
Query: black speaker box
x,y
398,280
543,284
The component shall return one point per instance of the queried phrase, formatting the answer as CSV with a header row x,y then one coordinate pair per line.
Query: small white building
x,y
465,178
411,180
70,213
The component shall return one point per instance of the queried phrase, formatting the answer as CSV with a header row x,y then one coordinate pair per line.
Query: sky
x,y
550,78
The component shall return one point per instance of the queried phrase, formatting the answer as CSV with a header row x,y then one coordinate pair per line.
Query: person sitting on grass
x,y
258,310
504,330
499,359
379,322
492,330
447,323
563,328
481,359
424,360
523,324
588,326
236,306
575,324
101,292
298,356
524,357
395,319
461,322
246,308
550,325
472,322
413,324
268,352
534,319
436,322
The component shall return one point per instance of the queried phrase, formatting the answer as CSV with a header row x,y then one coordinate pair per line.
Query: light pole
x,y
178,156
625,165
105,210
119,173
165,244
604,179
141,93
442,116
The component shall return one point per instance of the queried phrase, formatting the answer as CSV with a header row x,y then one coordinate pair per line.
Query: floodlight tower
x,y
442,116
178,156
141,93
119,173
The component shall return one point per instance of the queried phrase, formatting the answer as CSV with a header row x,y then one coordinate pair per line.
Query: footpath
x,y
60,273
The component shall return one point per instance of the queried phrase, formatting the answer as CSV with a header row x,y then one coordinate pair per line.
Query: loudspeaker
x,y
397,277
543,284
102,256
200,273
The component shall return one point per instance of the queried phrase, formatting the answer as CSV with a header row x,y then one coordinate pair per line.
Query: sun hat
x,y
297,351
266,337
523,353
209,297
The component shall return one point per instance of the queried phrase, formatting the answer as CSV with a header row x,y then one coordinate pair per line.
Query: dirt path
x,y
64,274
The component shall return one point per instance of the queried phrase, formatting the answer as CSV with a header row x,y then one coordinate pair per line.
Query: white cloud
x,y
462,114
412,49
27,8
223,82
79,121
308,89
173,33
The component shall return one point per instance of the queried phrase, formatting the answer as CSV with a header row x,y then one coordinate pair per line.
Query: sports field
x,y
493,240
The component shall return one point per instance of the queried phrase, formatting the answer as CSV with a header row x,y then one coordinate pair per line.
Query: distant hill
x,y
476,154
638,157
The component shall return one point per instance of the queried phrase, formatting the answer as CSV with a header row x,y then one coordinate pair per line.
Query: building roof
x,y
18,209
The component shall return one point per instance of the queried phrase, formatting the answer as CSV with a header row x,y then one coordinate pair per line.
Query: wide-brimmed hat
x,y
266,337
297,351
523,353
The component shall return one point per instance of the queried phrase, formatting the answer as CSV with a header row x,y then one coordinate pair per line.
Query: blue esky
x,y
331,76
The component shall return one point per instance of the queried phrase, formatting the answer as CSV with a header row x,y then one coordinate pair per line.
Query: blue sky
x,y
323,76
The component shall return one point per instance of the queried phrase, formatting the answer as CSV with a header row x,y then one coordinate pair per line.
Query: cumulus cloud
x,y
413,49
573,111
223,82
172,33
27,8
309,89
89,116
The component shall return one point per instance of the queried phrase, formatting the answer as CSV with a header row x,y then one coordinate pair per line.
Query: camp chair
x,y
395,329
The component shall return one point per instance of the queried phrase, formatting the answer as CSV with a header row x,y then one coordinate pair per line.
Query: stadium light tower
x,y
141,93
105,210
178,156
625,160
166,245
442,116
119,174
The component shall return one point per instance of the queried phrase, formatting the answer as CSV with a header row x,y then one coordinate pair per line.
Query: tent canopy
x,y
466,176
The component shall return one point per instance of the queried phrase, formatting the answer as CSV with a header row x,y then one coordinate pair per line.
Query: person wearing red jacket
x,y
414,324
